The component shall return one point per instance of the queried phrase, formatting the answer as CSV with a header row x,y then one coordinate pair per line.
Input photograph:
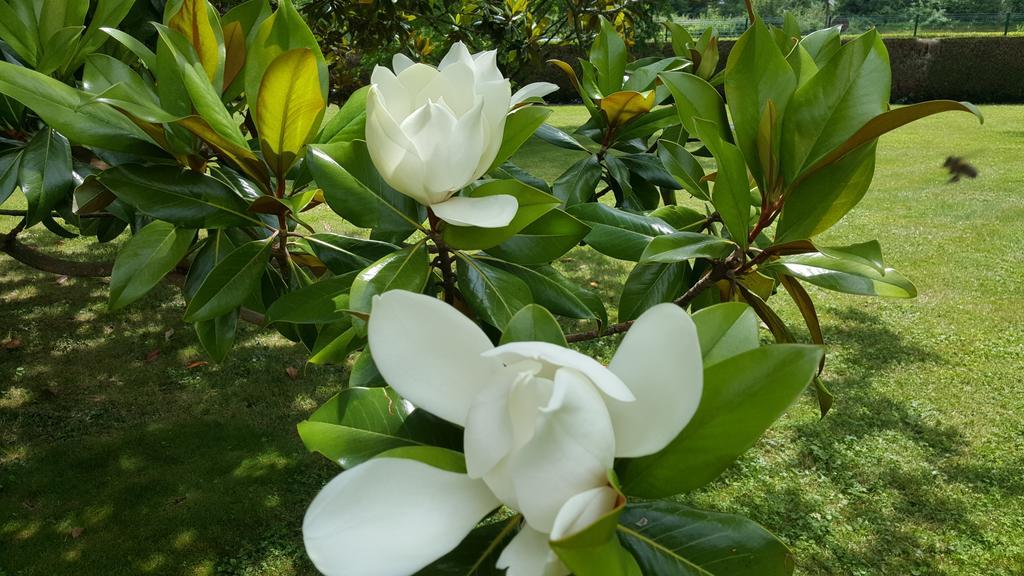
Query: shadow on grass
x,y
905,492
121,456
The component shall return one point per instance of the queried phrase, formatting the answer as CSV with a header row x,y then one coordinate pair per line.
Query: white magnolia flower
x,y
431,131
543,425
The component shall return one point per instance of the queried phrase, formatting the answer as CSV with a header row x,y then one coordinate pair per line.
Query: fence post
x,y
917,18
1006,26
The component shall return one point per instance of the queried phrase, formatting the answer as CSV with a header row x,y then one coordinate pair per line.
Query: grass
x,y
119,456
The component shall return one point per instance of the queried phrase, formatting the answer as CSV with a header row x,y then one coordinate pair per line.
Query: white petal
x,y
392,94
457,53
392,153
429,353
603,378
431,128
489,435
572,449
414,79
660,361
528,554
485,65
534,90
496,96
486,212
582,510
391,517
400,62
453,165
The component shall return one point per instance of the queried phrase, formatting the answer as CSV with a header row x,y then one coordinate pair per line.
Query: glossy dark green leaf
x,y
321,302
342,254
617,233
650,168
406,269
533,204
671,538
684,168
608,55
217,336
822,44
519,126
543,241
681,218
645,126
360,423
868,253
579,182
557,293
354,189
349,123
757,72
10,165
695,98
145,259
140,50
183,197
725,330
334,343
650,284
684,246
478,553
102,72
852,88
557,137
215,248
364,372
45,173
843,275
230,282
731,192
495,294
743,395
533,323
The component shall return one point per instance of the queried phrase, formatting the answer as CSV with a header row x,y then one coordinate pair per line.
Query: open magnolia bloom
x,y
431,131
543,426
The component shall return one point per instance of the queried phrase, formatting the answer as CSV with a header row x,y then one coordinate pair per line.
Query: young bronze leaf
x,y
289,107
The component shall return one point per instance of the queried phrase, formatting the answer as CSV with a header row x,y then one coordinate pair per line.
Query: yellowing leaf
x,y
289,107
621,107
193,22
234,52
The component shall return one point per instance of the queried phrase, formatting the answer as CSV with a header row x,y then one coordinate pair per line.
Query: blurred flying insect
x,y
959,168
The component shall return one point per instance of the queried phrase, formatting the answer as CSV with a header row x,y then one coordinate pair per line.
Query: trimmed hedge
x,y
980,69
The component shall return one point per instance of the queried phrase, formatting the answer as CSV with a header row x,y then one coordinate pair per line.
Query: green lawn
x,y
118,456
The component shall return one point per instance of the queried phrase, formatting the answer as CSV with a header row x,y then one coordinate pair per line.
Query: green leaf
x,y
684,246
360,423
695,98
102,72
579,182
45,173
681,218
532,205
533,323
70,112
200,25
10,164
519,126
108,13
334,343
496,295
217,336
406,269
19,30
650,284
823,198
731,192
557,293
685,168
557,137
442,458
145,259
846,275
342,254
58,49
756,73
725,330
822,44
671,538
608,55
349,123
228,285
617,233
183,197
852,88
478,553
645,126
649,167
322,302
289,108
284,30
355,190
140,50
743,395
867,253
543,241
364,371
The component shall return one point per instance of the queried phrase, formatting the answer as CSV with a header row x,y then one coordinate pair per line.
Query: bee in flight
x,y
959,168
